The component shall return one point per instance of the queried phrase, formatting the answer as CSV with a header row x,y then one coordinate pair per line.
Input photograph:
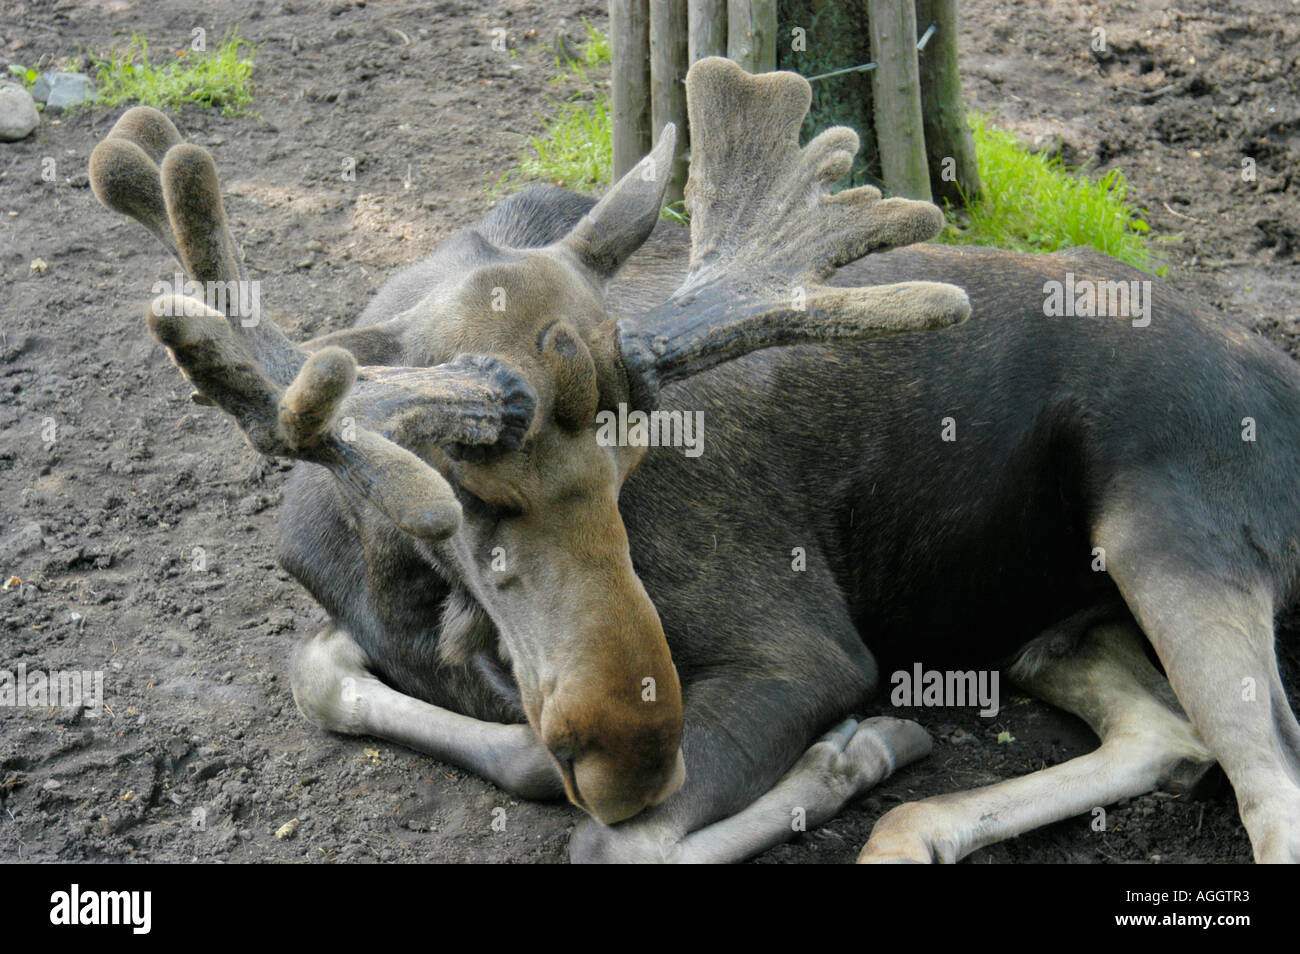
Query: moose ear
x,y
618,224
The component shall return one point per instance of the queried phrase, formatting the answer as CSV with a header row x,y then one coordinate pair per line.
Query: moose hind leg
x,y
1108,682
1215,638
334,688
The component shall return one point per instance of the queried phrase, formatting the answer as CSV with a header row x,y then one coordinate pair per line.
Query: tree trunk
x,y
954,172
751,34
667,83
707,29
896,86
629,28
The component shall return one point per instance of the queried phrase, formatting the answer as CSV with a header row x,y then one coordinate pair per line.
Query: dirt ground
x,y
200,754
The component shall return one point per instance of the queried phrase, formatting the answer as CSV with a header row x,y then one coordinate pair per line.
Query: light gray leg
x,y
841,765
1216,644
334,689
1110,684
1213,631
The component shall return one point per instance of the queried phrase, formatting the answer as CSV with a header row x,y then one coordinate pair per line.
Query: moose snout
x,y
616,759
605,789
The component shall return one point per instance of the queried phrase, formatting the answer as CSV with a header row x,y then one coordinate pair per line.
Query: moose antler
x,y
766,231
286,401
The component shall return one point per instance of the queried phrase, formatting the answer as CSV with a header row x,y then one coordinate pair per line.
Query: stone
x,y
61,90
18,116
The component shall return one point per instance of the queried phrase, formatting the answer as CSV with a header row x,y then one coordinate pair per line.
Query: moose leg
x,y
756,772
839,766
847,761
335,690
1108,682
1215,638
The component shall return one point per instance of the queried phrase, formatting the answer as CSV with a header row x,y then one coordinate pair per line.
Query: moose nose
x,y
603,787
616,756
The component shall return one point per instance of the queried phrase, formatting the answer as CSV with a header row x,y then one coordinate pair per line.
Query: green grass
x,y
576,150
218,78
595,51
1033,203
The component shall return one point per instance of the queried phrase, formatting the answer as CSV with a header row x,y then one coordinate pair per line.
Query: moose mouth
x,y
615,811
571,786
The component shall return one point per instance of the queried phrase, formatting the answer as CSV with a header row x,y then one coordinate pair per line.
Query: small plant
x,y
576,150
219,78
676,212
1033,203
24,74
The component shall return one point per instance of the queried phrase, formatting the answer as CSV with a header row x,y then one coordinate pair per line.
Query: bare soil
x,y
200,754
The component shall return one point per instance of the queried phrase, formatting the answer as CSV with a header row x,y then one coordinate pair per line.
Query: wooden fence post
x,y
667,83
707,29
948,142
751,34
897,98
629,27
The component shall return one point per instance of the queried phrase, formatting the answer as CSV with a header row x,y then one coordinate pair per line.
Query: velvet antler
x,y
766,232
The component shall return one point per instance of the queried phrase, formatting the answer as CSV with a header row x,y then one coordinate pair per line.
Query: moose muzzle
x,y
614,762
612,719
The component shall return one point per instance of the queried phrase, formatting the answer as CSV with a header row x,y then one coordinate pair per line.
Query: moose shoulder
x,y
664,637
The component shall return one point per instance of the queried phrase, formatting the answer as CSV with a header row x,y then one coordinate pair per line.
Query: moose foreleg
x,y
844,763
335,690
1216,642
839,766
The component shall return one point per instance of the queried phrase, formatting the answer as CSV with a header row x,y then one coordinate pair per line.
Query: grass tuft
x,y
218,78
1033,203
576,149
595,51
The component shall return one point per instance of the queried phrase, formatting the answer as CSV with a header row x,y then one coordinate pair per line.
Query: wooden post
x,y
751,34
707,29
948,142
897,98
667,82
629,27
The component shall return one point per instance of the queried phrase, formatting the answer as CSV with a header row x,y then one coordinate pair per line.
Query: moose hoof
x,y
858,755
906,835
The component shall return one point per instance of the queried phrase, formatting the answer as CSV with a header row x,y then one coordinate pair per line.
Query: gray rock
x,y
20,542
62,90
18,116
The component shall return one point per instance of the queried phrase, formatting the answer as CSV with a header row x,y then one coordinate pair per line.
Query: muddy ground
x,y
200,754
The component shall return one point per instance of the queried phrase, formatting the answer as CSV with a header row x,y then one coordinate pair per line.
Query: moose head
x,y
481,446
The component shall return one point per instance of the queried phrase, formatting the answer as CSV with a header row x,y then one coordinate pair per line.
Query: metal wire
x,y
866,67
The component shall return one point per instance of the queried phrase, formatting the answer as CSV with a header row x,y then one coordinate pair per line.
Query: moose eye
x,y
475,507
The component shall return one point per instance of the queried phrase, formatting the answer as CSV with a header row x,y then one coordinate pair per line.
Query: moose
x,y
968,481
